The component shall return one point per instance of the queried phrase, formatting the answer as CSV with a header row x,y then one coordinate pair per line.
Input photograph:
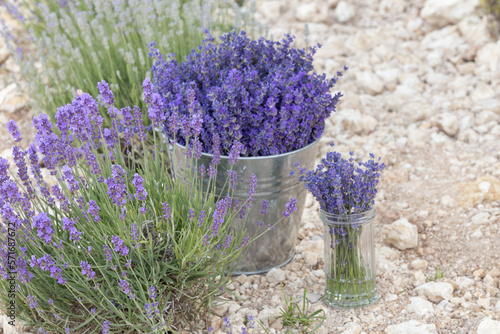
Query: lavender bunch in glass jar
x,y
346,192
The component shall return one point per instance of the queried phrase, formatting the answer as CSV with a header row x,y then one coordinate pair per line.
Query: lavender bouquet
x,y
261,94
346,193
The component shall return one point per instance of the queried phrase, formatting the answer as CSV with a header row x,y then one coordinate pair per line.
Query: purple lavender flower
x,y
107,253
343,187
258,93
32,301
227,241
290,207
67,172
147,89
201,218
152,292
105,327
191,215
166,211
14,131
87,270
119,245
106,94
125,286
69,226
220,213
202,171
50,301
93,210
233,176
43,225
140,192
265,207
117,188
134,233
227,323
46,263
251,191
234,153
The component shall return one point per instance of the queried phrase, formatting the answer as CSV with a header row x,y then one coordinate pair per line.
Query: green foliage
x,y
295,318
181,257
437,275
84,42
492,9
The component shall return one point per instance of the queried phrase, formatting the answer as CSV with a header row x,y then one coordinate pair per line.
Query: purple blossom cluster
x,y
87,270
46,263
261,94
341,186
119,245
69,226
44,227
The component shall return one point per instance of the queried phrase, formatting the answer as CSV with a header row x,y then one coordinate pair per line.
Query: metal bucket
x,y
276,247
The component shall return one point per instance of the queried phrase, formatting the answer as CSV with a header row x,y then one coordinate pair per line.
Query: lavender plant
x,y
76,43
259,93
346,192
113,243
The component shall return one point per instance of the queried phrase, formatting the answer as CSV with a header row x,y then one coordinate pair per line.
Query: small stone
x,y
443,12
419,306
401,234
386,253
480,218
312,12
411,327
354,121
275,276
489,55
220,310
436,291
477,234
484,302
488,280
479,273
241,279
11,100
495,272
344,12
489,326
352,328
484,186
463,282
313,297
419,264
449,124
369,82
418,279
233,307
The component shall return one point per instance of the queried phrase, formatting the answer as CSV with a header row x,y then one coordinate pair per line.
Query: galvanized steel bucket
x,y
276,247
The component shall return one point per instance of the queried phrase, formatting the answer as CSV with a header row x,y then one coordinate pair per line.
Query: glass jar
x,y
349,259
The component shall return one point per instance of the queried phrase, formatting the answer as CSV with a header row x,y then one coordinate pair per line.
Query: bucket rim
x,y
226,157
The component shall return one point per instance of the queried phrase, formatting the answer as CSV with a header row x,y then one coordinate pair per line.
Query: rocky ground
x,y
421,92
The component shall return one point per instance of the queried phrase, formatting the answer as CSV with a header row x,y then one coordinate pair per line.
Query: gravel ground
x,y
421,92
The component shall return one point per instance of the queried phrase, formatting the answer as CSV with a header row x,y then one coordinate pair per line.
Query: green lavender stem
x,y
350,282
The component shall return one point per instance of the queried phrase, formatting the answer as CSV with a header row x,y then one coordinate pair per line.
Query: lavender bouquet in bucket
x,y
346,193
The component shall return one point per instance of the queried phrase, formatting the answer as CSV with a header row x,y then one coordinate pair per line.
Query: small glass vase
x,y
349,259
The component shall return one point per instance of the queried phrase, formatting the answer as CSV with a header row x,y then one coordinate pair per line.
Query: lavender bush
x,y
346,193
114,244
261,94
76,43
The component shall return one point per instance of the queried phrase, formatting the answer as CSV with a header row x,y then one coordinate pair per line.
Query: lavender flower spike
x,y
14,131
106,94
290,207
